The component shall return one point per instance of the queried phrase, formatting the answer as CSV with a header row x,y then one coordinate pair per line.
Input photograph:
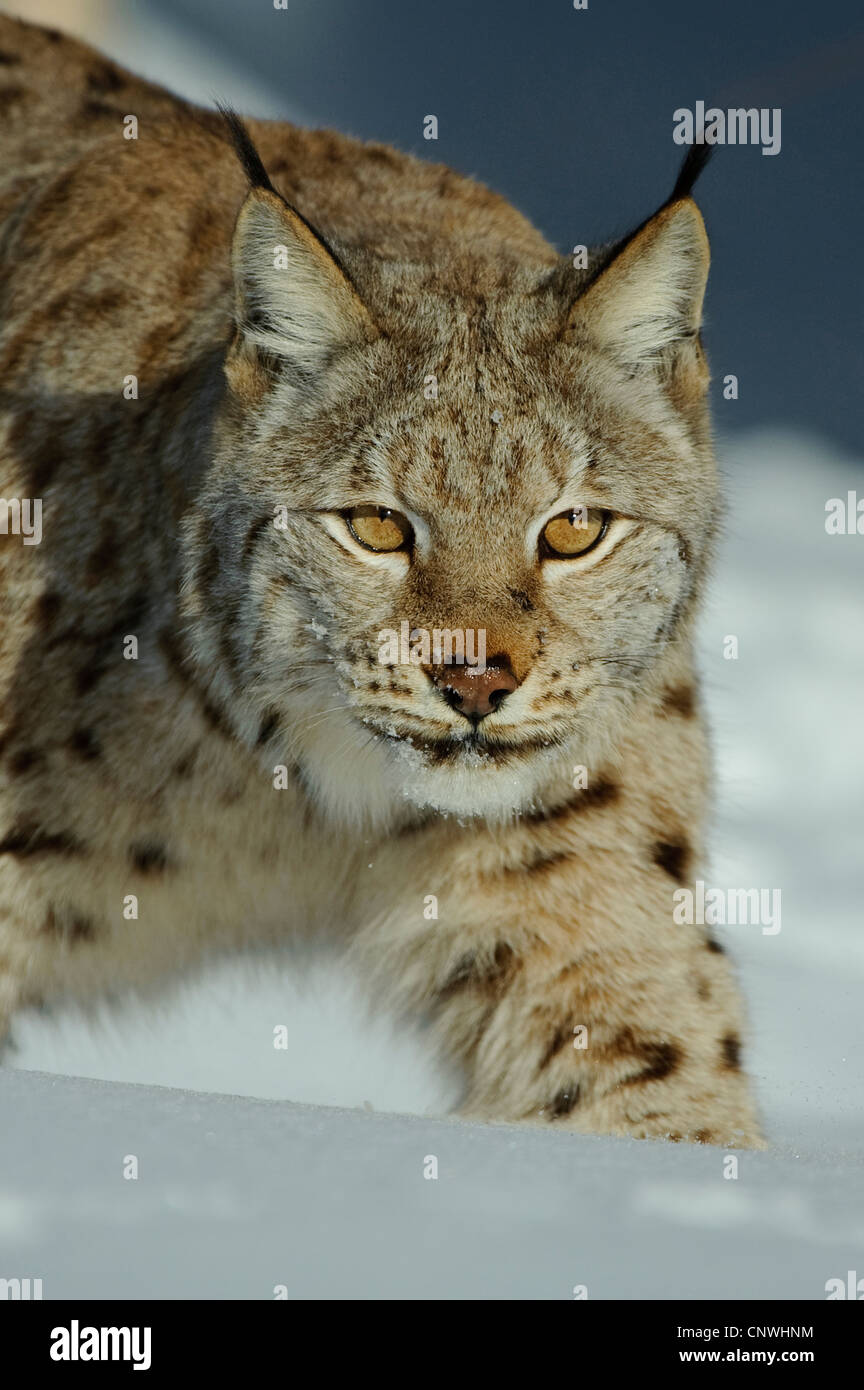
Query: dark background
x,y
569,114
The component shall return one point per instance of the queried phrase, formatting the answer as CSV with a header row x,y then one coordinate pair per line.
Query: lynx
x,y
279,392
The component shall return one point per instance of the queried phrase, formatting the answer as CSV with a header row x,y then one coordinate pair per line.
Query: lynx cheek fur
x,y
194,721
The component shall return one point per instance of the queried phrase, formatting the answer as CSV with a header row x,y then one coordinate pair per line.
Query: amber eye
x,y
573,533
380,528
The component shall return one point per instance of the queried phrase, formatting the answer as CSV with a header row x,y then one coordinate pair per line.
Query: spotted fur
x,y
297,391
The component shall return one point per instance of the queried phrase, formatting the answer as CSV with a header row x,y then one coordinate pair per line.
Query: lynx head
x,y
512,456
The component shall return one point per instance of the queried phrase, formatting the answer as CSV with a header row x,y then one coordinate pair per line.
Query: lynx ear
x,y
293,299
649,296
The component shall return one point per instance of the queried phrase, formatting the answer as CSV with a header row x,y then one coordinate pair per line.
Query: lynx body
x,y
231,382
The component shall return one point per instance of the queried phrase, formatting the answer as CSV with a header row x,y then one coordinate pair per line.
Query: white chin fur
x,y
479,788
376,783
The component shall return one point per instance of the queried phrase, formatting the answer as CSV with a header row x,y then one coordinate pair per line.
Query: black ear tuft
x,y
695,160
245,148
258,177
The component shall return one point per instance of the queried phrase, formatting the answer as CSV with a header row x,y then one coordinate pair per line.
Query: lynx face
x,y
498,464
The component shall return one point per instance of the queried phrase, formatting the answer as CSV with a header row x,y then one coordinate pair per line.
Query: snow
x,y
235,1197
790,744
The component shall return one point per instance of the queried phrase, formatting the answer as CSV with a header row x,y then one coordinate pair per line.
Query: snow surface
x,y
235,1197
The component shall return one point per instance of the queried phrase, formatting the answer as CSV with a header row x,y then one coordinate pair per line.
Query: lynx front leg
x,y
12,993
600,1045
559,980
26,954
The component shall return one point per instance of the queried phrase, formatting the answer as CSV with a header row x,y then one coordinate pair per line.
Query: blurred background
x,y
569,113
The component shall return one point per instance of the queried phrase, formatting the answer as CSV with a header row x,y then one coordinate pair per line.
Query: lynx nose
x,y
475,693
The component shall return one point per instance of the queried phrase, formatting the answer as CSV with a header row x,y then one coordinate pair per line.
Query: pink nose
x,y
474,693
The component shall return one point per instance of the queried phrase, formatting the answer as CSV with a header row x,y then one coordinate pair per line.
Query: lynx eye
x,y
380,528
573,533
